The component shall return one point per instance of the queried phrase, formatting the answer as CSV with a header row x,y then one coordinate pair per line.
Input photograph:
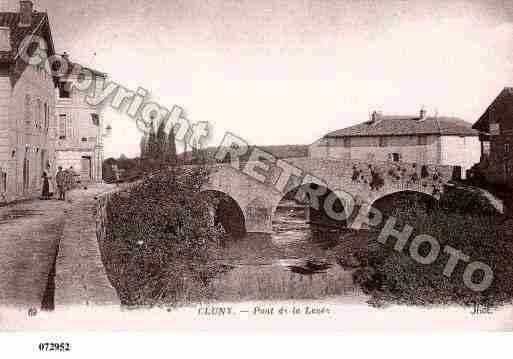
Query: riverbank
x,y
390,275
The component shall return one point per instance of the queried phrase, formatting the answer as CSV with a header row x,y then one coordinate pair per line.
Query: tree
x,y
161,144
171,156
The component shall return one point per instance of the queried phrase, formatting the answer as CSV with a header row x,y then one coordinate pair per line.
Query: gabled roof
x,y
408,125
40,25
505,95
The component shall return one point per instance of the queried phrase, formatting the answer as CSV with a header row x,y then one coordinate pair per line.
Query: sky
x,y
287,72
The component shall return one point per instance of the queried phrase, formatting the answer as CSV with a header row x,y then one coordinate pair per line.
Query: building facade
x,y
79,124
496,134
27,106
413,139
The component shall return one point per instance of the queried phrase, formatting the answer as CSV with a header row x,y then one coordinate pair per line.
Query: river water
x,y
295,262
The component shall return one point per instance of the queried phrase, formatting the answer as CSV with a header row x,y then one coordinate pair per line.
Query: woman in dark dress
x,y
46,186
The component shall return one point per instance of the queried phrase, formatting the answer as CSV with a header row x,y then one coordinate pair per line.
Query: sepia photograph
x,y
255,165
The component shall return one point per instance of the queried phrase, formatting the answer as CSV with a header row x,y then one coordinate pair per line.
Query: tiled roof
x,y
408,125
18,34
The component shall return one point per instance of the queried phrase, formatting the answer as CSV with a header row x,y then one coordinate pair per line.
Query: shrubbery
x,y
393,277
161,240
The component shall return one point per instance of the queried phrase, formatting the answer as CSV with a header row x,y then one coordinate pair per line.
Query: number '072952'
x,y
54,347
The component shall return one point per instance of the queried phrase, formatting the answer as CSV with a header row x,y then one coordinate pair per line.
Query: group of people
x,y
64,179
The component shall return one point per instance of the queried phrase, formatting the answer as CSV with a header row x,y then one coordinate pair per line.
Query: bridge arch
x,y
405,204
225,210
258,199
315,204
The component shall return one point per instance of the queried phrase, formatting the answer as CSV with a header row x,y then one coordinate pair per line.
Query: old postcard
x,y
300,165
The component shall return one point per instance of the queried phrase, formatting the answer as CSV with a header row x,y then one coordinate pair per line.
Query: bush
x,y
393,277
161,240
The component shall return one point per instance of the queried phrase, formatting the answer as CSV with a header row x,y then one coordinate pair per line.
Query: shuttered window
x,y
62,126
46,125
27,110
3,182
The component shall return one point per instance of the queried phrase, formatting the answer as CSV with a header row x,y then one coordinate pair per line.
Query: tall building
x,y
27,104
79,130
414,139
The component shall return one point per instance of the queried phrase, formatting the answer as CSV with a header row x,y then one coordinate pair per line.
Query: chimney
x,y
375,117
422,114
26,10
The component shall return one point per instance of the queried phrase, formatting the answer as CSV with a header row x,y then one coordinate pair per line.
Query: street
x,y
30,233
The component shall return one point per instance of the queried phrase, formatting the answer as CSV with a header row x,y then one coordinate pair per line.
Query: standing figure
x,y
71,178
61,179
46,186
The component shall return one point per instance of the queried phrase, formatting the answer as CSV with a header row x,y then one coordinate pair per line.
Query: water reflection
x,y
295,262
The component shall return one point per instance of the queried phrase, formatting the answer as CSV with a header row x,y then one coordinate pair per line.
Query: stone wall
x,y
364,182
81,277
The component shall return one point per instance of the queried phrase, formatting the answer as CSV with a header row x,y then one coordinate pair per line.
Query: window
x,y
65,89
45,124
506,148
38,114
383,142
491,115
84,139
27,110
62,126
96,119
347,141
396,157
486,148
422,140
3,182
495,129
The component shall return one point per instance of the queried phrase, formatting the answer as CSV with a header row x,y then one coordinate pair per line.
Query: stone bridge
x,y
259,186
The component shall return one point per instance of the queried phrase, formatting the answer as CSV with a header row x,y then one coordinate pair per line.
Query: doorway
x,y
86,171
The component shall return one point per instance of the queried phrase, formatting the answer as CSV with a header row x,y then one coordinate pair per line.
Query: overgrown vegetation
x,y
393,277
161,240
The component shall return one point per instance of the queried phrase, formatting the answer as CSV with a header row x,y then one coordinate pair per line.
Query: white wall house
x,y
79,130
414,139
27,105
